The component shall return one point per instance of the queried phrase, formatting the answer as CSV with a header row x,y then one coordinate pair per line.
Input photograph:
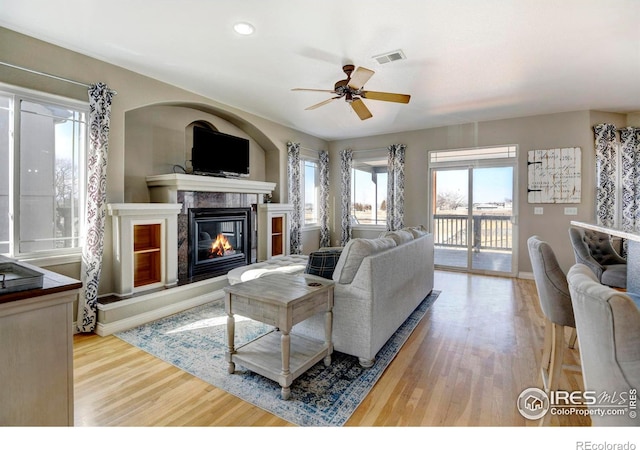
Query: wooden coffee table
x,y
281,301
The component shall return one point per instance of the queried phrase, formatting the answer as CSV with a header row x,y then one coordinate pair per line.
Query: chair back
x,y
582,252
608,325
594,244
551,283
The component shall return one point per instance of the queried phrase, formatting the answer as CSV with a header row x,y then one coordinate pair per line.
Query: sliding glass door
x,y
472,216
450,222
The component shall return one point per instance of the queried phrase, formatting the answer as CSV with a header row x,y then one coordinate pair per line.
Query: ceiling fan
x,y
352,91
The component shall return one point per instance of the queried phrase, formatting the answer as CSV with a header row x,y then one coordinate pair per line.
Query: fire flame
x,y
221,247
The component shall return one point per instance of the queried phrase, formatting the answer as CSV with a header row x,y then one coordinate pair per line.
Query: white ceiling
x,y
467,60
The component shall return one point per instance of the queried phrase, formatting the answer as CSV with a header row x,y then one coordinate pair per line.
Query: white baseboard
x,y
139,319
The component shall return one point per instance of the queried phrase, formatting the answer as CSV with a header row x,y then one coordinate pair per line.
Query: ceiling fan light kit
x,y
351,89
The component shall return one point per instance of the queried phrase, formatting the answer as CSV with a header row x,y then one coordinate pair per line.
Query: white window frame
x,y
480,157
313,157
381,157
53,256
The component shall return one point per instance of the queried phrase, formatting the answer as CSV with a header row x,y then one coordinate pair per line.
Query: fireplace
x,y
219,240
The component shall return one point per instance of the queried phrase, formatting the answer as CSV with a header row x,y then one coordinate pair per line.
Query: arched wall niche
x,y
158,140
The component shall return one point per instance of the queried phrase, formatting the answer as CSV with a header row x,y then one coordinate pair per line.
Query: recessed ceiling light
x,y
244,28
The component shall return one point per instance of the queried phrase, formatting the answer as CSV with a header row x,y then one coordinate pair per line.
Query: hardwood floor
x,y
478,347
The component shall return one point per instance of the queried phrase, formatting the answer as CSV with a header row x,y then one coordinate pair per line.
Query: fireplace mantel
x,y
164,188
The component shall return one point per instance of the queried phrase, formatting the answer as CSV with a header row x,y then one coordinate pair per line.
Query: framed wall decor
x,y
554,175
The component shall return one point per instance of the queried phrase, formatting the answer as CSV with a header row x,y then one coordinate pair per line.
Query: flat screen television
x,y
219,154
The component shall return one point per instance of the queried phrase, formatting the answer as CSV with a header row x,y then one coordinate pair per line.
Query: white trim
x,y
139,319
369,227
526,275
309,154
303,181
18,94
468,154
201,183
469,165
40,95
53,260
143,209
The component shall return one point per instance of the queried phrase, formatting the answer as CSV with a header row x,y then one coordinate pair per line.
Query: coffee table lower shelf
x,y
263,356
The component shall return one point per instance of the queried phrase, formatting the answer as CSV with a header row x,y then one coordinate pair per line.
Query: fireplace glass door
x,y
219,239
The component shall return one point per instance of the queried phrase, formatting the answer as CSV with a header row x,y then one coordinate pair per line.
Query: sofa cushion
x,y
324,249
323,262
418,231
354,252
289,264
399,236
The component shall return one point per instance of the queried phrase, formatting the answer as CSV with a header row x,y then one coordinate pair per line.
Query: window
x,y
310,190
472,154
369,191
42,147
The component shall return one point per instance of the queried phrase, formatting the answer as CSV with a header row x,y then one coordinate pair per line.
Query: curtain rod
x,y
13,66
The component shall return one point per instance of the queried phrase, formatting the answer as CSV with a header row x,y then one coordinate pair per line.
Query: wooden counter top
x,y
52,283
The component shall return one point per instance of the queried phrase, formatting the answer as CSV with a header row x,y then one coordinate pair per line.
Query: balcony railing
x,y
490,232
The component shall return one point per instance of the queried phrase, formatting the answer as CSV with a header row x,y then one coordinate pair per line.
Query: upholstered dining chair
x,y
555,301
608,324
594,250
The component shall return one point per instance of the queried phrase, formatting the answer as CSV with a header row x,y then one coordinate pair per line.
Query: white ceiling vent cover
x,y
388,57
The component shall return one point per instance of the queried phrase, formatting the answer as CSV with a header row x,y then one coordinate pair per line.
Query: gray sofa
x,y
378,284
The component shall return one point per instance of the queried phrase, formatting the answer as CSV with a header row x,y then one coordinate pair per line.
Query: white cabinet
x,y
273,230
36,355
145,239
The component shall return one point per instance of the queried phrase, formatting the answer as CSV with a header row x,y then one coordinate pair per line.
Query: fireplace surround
x,y
171,197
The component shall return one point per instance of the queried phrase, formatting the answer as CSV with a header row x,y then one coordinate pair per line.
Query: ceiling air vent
x,y
388,57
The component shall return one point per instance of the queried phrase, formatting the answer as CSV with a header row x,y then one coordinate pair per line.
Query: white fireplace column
x,y
152,261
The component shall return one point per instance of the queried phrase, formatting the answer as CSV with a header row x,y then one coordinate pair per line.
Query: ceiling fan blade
x,y
386,96
318,105
359,77
313,90
361,109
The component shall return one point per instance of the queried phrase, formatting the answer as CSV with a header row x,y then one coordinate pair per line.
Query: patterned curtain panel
x,y
395,187
630,153
606,174
346,162
325,238
100,97
295,196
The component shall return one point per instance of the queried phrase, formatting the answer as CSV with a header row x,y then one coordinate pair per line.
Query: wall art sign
x,y
554,175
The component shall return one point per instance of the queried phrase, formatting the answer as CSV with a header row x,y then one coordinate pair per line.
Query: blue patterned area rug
x,y
195,341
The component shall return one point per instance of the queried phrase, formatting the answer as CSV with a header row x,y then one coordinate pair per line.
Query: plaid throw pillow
x,y
323,262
